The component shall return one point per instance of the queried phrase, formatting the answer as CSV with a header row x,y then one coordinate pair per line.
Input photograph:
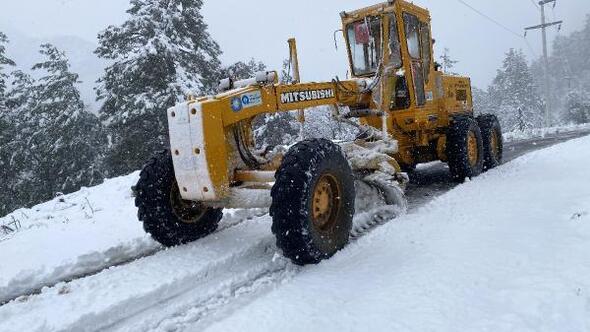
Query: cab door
x,y
396,90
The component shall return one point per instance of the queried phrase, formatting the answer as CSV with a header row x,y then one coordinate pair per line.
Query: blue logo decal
x,y
236,104
246,100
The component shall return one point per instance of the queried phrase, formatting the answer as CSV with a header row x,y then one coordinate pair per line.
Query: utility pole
x,y
543,26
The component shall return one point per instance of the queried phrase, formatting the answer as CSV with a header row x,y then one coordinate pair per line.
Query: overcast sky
x,y
260,28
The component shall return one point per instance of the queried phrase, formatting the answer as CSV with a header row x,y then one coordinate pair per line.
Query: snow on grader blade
x,y
407,112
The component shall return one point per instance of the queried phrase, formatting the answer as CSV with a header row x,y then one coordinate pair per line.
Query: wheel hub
x,y
472,149
495,147
326,202
188,212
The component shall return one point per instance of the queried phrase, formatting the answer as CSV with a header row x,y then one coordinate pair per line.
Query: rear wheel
x,y
168,218
493,143
465,151
313,202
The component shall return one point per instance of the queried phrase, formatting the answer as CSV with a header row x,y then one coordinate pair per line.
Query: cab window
x,y
412,29
426,49
395,48
412,26
365,42
400,97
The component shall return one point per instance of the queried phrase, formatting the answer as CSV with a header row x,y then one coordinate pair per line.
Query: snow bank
x,y
542,132
78,235
71,236
505,252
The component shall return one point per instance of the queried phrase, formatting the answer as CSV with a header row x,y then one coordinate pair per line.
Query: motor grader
x,y
406,110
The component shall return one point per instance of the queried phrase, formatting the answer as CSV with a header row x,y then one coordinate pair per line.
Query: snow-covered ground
x,y
76,235
70,236
543,132
507,251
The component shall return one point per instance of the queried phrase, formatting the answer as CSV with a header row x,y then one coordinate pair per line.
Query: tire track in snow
x,y
226,291
121,255
102,300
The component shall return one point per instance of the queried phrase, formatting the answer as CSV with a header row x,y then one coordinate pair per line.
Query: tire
x,y
313,202
493,142
166,217
462,164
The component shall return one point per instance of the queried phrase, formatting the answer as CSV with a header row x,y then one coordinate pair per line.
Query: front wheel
x,y
168,218
465,151
313,202
493,144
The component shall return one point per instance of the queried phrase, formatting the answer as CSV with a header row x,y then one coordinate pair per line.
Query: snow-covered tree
x,y
21,96
577,108
162,53
7,132
242,70
514,94
276,129
17,162
482,102
447,62
4,62
286,74
522,122
61,137
569,68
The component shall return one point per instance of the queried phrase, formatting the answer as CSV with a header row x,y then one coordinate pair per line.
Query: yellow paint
x,y
216,147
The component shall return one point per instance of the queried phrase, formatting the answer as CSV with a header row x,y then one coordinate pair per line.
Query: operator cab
x,y
392,42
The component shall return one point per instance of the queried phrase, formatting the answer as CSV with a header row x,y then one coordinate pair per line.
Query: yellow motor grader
x,y
407,112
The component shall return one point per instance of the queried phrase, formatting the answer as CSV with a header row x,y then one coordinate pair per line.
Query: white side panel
x,y
187,146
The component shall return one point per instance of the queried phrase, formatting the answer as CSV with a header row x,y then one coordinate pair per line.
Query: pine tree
x,y
286,76
577,108
21,96
447,62
7,133
242,70
162,53
6,172
482,103
522,122
4,61
514,92
19,162
569,68
62,138
276,129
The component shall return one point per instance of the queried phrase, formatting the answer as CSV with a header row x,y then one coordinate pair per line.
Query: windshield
x,y
364,38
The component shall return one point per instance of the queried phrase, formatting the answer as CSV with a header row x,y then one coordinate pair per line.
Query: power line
x,y
535,4
491,19
501,25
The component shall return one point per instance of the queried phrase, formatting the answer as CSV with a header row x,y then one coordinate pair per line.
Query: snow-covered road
x,y
505,252
237,269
